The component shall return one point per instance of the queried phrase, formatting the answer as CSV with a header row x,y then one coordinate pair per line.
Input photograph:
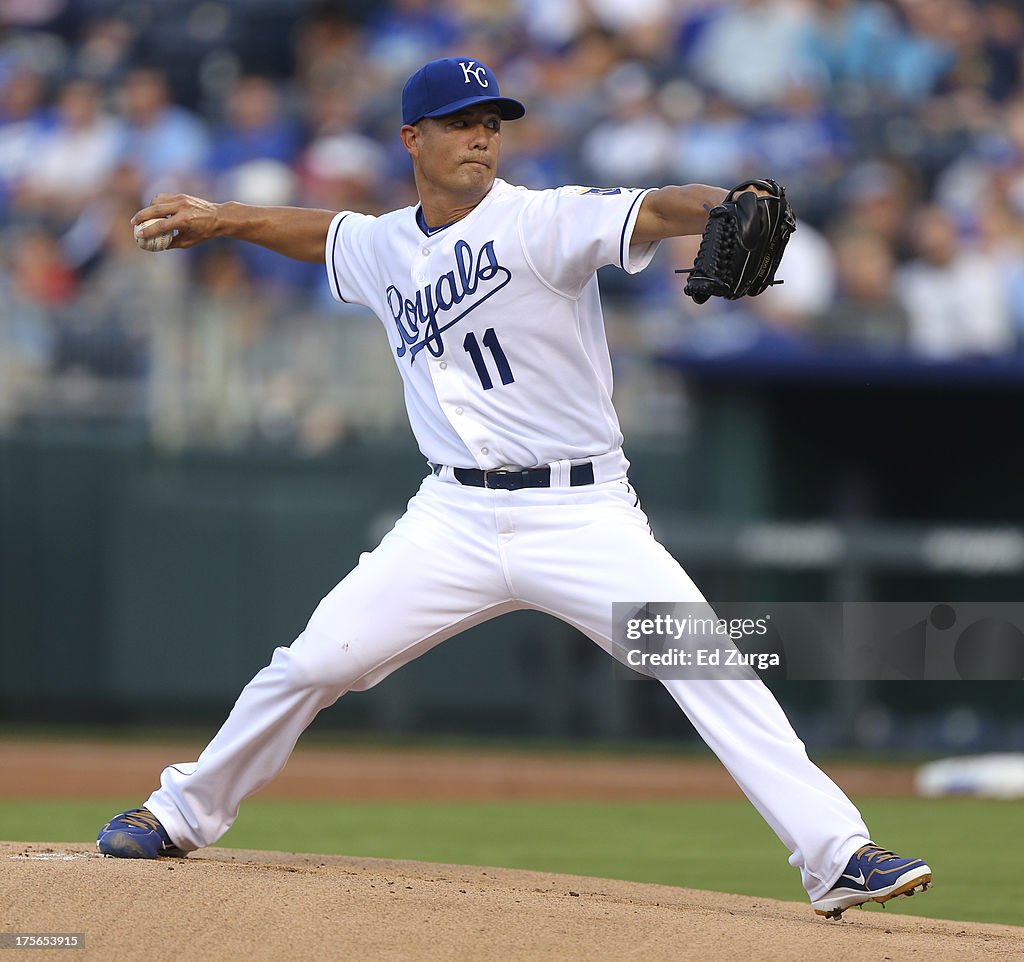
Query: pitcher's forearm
x,y
296,232
675,212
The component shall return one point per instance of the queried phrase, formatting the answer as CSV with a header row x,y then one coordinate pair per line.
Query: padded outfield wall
x,y
141,586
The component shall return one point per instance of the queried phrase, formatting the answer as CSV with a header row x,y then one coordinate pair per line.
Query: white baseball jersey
x,y
495,323
495,320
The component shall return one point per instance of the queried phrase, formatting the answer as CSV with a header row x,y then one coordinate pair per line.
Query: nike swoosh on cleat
x,y
859,879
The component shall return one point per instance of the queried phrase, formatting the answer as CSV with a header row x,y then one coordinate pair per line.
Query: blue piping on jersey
x,y
334,269
623,246
421,223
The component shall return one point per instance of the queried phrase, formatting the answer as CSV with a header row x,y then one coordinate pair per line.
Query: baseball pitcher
x,y
488,295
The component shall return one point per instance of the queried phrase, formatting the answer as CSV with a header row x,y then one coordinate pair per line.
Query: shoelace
x,y
141,818
874,853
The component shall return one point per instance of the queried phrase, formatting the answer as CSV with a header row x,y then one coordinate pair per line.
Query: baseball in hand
x,y
159,243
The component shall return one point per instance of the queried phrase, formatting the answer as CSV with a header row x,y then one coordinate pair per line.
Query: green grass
x,y
723,846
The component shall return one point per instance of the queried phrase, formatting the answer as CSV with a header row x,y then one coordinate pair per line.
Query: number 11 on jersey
x,y
490,341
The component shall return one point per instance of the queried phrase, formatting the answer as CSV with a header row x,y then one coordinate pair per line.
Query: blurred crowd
x,y
896,125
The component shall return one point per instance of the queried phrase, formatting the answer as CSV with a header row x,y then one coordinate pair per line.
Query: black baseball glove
x,y
742,244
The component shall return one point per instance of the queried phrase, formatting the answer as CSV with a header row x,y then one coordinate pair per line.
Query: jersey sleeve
x,y
351,267
570,232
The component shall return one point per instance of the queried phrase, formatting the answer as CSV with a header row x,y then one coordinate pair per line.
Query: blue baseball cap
x,y
445,86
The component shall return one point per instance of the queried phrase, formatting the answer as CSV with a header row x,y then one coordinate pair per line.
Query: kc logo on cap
x,y
439,88
468,68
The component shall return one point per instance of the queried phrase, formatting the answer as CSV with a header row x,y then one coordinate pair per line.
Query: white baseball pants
x,y
463,555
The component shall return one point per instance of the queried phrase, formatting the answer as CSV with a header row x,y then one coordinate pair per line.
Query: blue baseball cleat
x,y
873,875
136,834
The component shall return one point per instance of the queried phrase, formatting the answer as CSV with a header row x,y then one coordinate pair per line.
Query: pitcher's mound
x,y
227,904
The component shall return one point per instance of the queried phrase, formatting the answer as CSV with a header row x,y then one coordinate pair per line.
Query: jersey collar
x,y
422,224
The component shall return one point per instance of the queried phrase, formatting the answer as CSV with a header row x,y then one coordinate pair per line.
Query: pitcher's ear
x,y
410,134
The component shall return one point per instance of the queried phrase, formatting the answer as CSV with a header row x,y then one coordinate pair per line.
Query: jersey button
x,y
426,251
443,365
458,410
485,451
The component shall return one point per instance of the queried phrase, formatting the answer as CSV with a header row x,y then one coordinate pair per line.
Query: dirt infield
x,y
228,905
98,769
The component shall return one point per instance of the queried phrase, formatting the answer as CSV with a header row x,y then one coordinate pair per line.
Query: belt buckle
x,y
498,473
